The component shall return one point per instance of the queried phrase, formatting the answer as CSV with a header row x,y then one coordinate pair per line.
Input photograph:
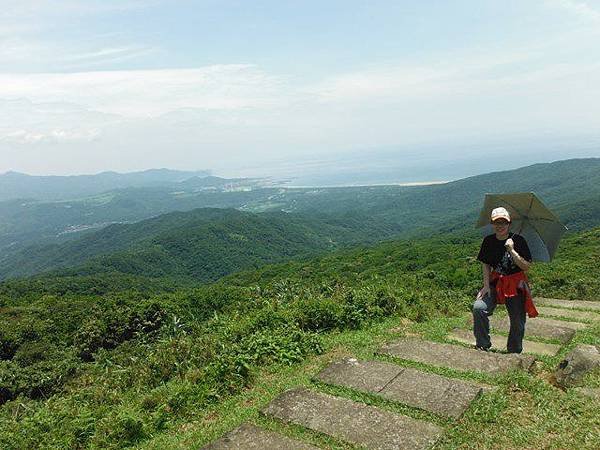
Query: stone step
x,y
568,313
570,304
499,342
593,393
433,393
353,422
248,436
540,327
456,357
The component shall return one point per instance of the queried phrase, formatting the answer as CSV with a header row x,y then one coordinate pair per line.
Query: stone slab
x,y
577,364
456,357
366,376
540,327
353,422
570,304
499,342
593,393
568,313
431,392
248,436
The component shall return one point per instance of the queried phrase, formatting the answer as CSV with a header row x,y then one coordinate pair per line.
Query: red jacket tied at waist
x,y
508,286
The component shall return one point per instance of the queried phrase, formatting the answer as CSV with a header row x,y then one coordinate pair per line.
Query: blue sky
x,y
94,85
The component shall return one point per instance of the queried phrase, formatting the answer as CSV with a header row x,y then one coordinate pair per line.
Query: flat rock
x,y
499,342
456,357
568,313
353,422
248,436
577,304
593,393
366,376
579,362
431,392
540,327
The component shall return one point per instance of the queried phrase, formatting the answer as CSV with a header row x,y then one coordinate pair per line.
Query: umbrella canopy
x,y
530,218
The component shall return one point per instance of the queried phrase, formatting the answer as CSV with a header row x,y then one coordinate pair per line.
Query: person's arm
x,y
521,262
486,281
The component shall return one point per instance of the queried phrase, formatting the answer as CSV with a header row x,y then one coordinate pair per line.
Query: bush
x,y
109,328
8,347
39,379
318,314
34,352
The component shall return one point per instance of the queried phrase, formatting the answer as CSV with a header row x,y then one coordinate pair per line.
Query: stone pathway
x,y
250,437
593,393
544,328
455,357
351,421
569,313
430,392
376,428
569,304
499,342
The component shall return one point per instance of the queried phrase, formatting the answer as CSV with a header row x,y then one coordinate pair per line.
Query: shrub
x,y
318,314
8,347
109,328
40,379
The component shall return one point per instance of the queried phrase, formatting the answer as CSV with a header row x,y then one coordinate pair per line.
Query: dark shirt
x,y
493,253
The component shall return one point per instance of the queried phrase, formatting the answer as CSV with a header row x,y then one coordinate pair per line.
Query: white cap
x,y
500,213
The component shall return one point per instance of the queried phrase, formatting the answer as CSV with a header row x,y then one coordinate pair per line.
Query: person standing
x,y
505,258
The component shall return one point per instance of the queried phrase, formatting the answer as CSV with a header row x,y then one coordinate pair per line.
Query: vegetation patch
x,y
179,367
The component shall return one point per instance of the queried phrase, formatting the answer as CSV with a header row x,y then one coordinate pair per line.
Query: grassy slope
x,y
155,391
527,411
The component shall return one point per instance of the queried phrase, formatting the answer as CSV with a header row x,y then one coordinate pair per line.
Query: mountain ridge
x,y
346,216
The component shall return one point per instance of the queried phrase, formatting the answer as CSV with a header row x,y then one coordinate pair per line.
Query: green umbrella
x,y
530,218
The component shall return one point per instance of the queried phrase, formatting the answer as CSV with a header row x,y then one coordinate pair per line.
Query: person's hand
x,y
483,292
509,244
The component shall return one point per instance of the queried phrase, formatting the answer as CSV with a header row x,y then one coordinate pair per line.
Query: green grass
x,y
526,411
179,370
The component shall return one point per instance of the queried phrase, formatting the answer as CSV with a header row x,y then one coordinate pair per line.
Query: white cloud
x,y
32,34
115,52
145,93
580,9
237,105
213,114
26,122
51,136
28,9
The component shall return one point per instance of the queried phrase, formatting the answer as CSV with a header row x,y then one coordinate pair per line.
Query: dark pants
x,y
484,308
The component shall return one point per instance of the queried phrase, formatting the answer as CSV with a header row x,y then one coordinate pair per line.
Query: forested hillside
x,y
197,246
23,222
569,187
129,368
327,217
125,347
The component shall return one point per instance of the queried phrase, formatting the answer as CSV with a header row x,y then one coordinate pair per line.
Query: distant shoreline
x,y
414,183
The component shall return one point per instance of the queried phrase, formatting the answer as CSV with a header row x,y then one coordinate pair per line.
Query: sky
x,y
248,87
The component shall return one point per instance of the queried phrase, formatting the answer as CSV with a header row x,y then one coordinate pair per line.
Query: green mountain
x,y
24,222
405,210
14,185
562,185
200,245
351,215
